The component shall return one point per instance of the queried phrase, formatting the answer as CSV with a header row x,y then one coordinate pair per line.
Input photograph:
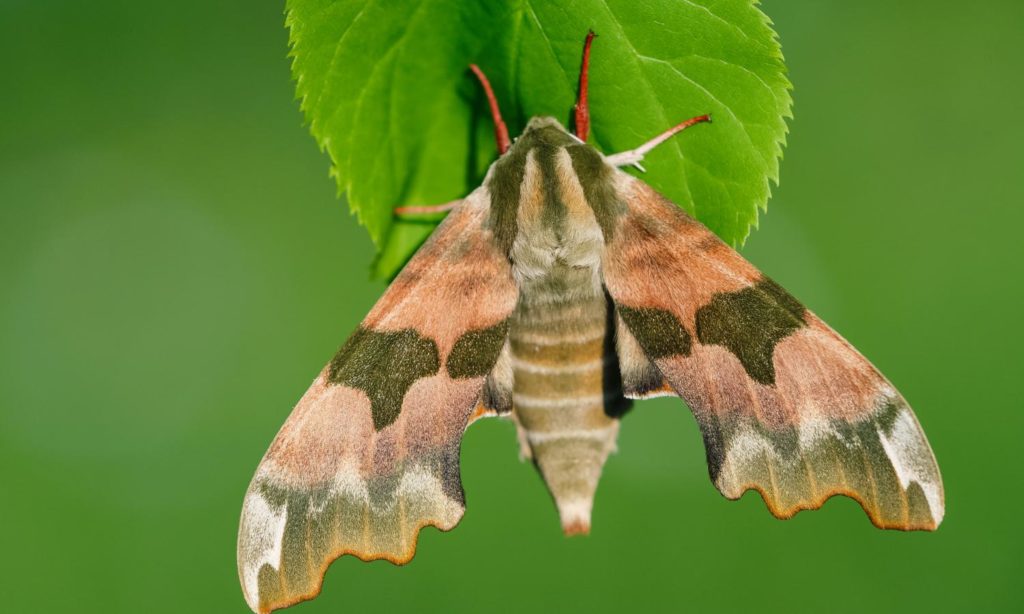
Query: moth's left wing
x,y
370,454
786,406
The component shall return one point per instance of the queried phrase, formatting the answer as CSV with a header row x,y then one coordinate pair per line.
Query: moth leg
x,y
500,129
582,108
634,156
525,450
426,209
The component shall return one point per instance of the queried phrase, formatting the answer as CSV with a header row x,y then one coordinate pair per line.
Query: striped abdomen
x,y
566,389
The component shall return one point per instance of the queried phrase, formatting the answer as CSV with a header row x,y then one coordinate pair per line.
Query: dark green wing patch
x,y
504,188
750,323
659,332
384,365
596,179
476,351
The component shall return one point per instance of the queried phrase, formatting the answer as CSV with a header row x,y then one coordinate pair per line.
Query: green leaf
x,y
385,88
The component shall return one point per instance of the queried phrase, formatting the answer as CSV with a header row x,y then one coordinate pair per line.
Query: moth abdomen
x,y
566,397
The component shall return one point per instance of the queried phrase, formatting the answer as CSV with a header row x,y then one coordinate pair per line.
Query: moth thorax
x,y
555,225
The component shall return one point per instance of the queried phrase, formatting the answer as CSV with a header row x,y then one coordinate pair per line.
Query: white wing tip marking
x,y
262,537
812,431
349,481
748,445
911,459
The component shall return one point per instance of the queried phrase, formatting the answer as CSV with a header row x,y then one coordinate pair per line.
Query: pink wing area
x,y
786,406
370,455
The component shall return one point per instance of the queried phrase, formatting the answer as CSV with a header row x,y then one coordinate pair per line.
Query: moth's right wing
x,y
786,406
370,455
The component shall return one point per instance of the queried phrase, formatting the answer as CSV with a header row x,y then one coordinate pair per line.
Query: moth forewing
x,y
370,455
786,406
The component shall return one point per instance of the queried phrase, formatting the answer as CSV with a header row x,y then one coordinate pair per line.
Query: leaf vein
x,y
664,116
725,21
715,99
315,107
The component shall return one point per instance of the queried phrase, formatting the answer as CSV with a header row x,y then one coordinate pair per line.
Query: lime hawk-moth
x,y
553,294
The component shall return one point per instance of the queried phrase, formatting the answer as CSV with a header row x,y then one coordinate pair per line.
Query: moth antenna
x,y
582,108
425,209
634,156
500,129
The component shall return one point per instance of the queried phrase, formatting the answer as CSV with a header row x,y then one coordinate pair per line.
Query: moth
x,y
554,294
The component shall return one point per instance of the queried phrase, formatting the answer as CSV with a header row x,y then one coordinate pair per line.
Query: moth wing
x,y
370,454
785,405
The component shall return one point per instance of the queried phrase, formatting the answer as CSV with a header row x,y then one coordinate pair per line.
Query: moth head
x,y
541,122
544,132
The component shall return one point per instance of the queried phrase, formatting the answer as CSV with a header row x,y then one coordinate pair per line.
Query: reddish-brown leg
x,y
582,109
500,129
426,209
633,156
500,135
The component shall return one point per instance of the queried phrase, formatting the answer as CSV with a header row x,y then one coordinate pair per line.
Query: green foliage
x,y
386,91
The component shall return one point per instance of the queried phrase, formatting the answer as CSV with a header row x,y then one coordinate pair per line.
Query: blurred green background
x,y
175,269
